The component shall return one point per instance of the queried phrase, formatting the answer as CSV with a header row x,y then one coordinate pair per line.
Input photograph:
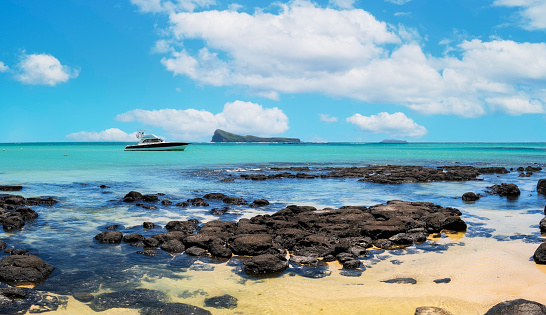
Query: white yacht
x,y
150,142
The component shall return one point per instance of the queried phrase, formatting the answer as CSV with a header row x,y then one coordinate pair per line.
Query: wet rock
x,y
148,225
401,281
543,225
217,196
182,204
351,264
151,242
198,202
132,196
110,237
137,298
234,201
493,170
10,188
200,240
470,196
304,260
174,309
150,198
24,269
188,226
173,246
2,245
264,265
166,202
517,307
174,235
84,297
431,310
505,190
113,227
541,186
26,213
259,203
224,301
133,238
16,251
540,254
196,251
219,211
34,302
12,222
220,250
251,244
149,252
149,207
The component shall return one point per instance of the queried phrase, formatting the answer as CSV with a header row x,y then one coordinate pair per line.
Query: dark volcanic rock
x,y
517,307
401,281
137,298
188,226
198,202
493,170
505,190
224,301
111,237
259,203
220,250
431,310
10,188
251,244
443,280
304,260
132,196
234,201
173,246
24,269
543,225
470,196
264,264
150,198
174,309
351,264
133,238
196,251
148,225
2,245
541,186
540,254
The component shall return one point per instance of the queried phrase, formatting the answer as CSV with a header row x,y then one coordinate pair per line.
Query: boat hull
x,y
169,146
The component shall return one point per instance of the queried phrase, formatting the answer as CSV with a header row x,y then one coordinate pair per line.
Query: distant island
x,y
224,136
393,141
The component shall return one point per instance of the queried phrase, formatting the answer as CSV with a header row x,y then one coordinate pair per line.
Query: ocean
x,y
488,264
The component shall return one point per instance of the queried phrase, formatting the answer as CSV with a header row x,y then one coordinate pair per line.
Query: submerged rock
x,y
431,310
10,188
401,281
174,309
517,307
110,237
137,298
24,269
224,301
470,196
505,190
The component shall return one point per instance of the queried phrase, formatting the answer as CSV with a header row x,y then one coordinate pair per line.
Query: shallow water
x,y
487,264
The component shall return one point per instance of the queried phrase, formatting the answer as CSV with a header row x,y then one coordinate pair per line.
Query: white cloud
x,y
327,118
108,135
532,12
235,7
43,69
238,117
396,124
342,4
3,67
156,6
348,53
399,2
517,105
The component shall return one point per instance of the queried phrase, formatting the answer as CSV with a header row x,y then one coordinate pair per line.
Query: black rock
x,y
111,237
351,264
166,202
2,245
264,265
128,299
10,188
304,260
540,254
150,198
15,251
224,301
431,310
84,297
133,238
505,190
541,186
401,281
24,269
517,307
259,203
148,225
470,196
219,250
174,309
196,251
543,225
132,196
443,280
173,246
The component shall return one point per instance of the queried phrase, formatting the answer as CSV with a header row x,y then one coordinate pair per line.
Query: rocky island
x,y
224,136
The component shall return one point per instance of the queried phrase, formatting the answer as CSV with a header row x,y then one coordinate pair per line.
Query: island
x,y
224,136
393,141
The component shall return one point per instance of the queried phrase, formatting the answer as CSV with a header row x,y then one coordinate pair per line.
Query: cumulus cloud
x,y
304,48
531,12
396,124
3,67
108,135
43,69
238,117
342,4
517,105
327,118
156,6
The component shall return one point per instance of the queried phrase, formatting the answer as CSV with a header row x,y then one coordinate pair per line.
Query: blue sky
x,y
338,70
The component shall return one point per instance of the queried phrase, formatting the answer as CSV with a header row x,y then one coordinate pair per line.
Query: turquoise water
x,y
72,173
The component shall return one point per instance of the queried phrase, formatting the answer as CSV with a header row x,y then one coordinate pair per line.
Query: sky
x,y
321,71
